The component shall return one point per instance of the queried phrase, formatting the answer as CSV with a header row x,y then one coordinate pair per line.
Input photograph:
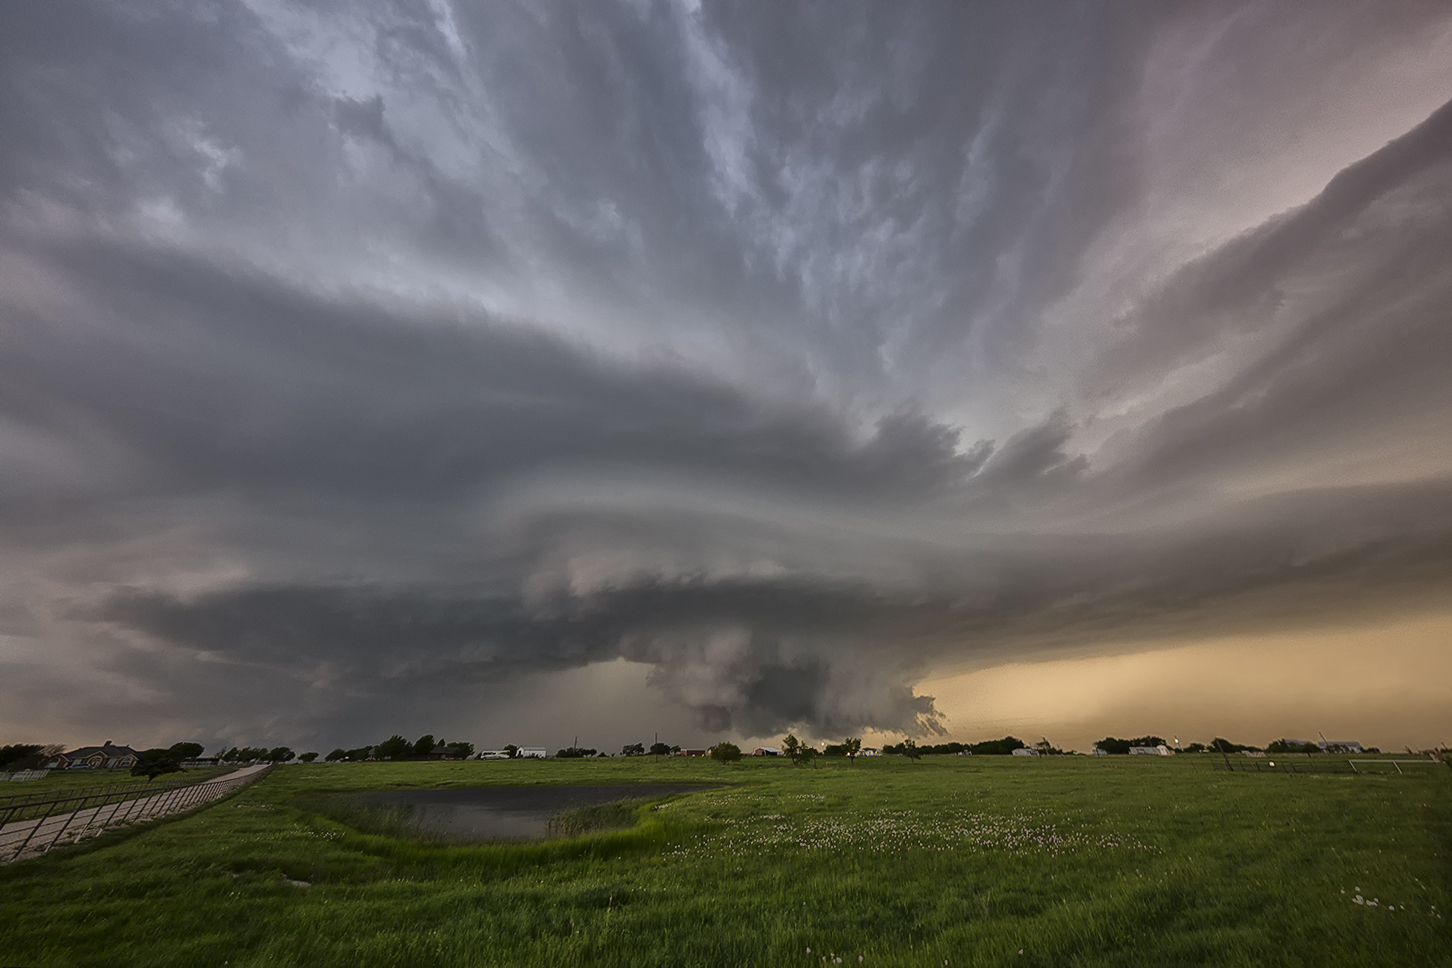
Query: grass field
x,y
963,861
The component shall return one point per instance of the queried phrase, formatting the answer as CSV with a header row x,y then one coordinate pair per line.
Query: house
x,y
1025,751
1341,746
532,753
766,751
1096,751
1160,750
103,757
441,752
493,755
869,751
691,753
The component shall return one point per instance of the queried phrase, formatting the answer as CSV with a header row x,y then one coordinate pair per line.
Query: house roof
x,y
105,749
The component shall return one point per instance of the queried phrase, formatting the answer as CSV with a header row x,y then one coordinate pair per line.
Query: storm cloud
x,y
363,362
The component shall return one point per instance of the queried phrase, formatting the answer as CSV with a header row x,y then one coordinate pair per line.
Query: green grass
x,y
1076,861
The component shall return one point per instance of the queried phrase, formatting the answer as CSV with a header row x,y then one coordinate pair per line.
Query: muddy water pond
x,y
509,813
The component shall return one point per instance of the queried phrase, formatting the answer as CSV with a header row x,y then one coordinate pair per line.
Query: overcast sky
x,y
513,371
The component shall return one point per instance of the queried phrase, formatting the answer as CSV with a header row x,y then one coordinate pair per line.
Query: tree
x,y
633,749
660,749
793,747
336,755
153,763
187,751
910,749
851,746
461,751
512,750
424,745
393,748
725,752
575,753
307,757
16,752
1290,746
278,754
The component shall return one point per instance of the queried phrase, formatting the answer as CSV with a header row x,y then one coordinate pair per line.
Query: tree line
x,y
398,748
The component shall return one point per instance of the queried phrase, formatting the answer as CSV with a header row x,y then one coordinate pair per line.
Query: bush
x,y
154,762
725,752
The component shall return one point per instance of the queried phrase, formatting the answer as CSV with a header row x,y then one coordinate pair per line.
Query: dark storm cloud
x,y
368,355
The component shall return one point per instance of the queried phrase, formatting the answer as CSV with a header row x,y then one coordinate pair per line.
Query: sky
x,y
526,371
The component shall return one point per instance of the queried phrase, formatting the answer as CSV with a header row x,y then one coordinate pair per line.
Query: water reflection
x,y
509,813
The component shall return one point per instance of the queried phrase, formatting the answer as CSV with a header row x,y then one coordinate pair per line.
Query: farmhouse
x,y
103,757
1025,751
1160,750
766,751
1341,746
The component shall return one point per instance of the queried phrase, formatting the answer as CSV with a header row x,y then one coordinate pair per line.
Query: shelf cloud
x,y
373,363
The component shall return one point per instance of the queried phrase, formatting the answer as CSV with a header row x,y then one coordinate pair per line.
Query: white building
x,y
1161,750
1025,751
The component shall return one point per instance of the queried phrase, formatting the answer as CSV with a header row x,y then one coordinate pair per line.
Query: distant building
x,y
691,753
869,751
103,757
1096,751
1161,750
532,753
766,751
493,755
1340,746
1025,751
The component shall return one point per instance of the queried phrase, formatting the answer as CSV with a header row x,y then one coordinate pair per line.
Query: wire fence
x,y
23,776
31,824
1321,763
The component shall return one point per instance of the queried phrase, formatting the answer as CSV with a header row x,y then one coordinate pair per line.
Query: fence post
x,y
38,824
112,815
65,826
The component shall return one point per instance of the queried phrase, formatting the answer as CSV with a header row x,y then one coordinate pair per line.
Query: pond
x,y
509,813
